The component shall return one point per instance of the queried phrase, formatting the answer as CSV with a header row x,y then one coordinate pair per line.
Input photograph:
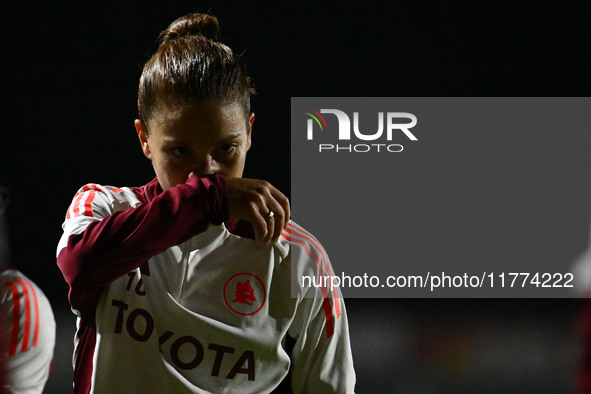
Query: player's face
x,y
202,138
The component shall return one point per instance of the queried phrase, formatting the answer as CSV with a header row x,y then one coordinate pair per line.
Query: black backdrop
x,y
69,80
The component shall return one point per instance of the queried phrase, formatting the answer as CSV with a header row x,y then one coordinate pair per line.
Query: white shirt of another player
x,y
28,329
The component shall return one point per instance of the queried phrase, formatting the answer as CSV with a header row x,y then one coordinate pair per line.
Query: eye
x,y
179,151
227,148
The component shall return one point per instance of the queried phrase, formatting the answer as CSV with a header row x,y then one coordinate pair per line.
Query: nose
x,y
205,165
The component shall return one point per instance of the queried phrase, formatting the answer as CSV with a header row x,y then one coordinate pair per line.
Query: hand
x,y
252,200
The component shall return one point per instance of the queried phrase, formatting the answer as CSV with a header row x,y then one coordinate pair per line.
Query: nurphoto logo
x,y
390,124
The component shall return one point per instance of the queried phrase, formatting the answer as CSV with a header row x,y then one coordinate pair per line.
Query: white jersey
x,y
27,326
217,313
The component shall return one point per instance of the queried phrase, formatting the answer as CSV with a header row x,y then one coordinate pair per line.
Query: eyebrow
x,y
232,136
173,140
176,140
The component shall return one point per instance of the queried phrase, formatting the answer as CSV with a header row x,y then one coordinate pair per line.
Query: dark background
x,y
69,81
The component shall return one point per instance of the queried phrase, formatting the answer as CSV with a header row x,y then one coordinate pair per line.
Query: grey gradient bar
x,y
489,187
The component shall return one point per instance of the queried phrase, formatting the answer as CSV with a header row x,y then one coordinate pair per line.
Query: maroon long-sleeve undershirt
x,y
123,241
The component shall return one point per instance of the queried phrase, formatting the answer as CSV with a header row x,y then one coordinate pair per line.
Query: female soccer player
x,y
172,294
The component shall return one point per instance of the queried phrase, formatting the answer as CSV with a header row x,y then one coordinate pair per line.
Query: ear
x,y
143,137
249,131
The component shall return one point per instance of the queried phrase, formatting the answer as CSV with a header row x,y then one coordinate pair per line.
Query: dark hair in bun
x,y
192,24
190,66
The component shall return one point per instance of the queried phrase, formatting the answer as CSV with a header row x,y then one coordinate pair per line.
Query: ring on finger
x,y
269,215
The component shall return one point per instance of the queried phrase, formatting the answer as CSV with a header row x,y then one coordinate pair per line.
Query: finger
x,y
276,223
287,209
264,224
258,223
283,202
270,221
277,226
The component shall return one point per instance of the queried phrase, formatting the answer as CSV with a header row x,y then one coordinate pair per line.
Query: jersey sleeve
x,y
107,234
28,329
321,356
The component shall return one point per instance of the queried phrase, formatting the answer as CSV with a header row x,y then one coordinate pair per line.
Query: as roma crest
x,y
245,294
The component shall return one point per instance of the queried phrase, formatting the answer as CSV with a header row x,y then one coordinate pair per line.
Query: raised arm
x,y
101,243
108,239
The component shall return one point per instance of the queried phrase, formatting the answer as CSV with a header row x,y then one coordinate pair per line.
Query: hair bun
x,y
192,25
